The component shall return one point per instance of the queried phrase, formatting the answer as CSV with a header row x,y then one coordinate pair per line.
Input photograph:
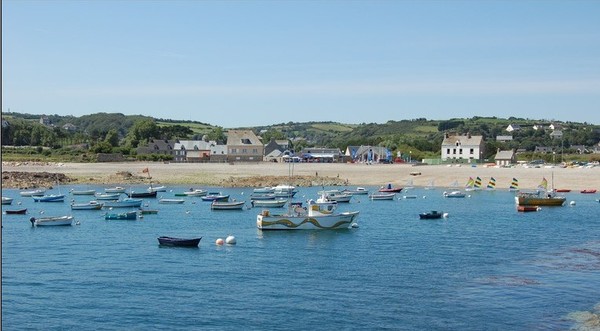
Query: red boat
x,y
588,191
563,190
528,208
390,189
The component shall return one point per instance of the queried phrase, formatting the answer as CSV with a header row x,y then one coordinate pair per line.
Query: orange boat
x,y
563,190
588,191
528,208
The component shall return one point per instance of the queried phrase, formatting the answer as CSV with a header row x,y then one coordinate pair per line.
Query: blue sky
x,y
247,63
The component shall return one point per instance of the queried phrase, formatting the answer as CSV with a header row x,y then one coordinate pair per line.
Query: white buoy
x,y
572,203
41,211
230,240
19,203
219,242
187,211
445,215
354,225
424,197
77,223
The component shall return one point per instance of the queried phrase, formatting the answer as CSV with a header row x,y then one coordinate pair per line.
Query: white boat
x,y
454,194
262,196
263,190
357,191
83,192
227,205
196,193
157,189
51,221
334,195
108,196
49,198
92,205
382,196
409,197
7,200
316,217
125,203
273,203
116,189
38,192
171,201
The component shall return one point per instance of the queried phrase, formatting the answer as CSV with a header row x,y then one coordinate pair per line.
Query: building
x,y
158,146
505,158
69,127
462,147
327,155
504,138
368,154
556,134
542,149
244,145
513,127
199,151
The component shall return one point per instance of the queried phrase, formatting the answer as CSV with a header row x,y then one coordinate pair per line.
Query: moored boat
x,y
390,189
16,211
195,193
170,201
227,205
274,203
49,198
83,192
51,221
92,205
316,217
142,194
130,215
215,196
382,196
434,214
528,208
38,192
178,242
157,189
125,203
7,200
588,191
539,198
116,189
454,194
357,191
108,196
563,190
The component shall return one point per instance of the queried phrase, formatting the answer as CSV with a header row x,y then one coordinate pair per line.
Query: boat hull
x,y
126,203
17,211
178,242
142,194
382,196
52,221
132,215
286,222
268,203
87,206
215,205
49,198
527,201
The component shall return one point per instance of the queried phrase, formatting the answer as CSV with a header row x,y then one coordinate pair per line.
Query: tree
x,y
112,137
142,131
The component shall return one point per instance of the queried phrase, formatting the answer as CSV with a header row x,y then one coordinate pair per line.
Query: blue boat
x,y
49,198
130,215
125,203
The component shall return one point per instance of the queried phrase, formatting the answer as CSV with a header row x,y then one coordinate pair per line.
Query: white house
x,y
462,147
513,127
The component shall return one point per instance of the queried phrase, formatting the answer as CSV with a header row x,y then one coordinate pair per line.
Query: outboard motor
x,y
32,220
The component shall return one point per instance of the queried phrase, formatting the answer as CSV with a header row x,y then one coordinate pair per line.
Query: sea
x,y
485,266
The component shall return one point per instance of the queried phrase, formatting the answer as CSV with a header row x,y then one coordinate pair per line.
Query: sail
x,y
543,185
470,183
514,185
491,184
477,183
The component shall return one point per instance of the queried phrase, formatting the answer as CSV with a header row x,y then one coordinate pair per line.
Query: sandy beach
x,y
212,174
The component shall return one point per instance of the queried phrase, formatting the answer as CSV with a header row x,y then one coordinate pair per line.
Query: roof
x,y
242,137
505,155
195,144
467,140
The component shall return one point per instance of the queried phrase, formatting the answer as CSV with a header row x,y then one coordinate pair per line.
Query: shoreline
x,y
255,174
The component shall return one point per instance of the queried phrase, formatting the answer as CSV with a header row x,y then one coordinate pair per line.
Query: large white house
x,y
465,147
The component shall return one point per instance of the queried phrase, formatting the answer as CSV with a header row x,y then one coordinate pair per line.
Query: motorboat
x,y
51,221
92,205
316,216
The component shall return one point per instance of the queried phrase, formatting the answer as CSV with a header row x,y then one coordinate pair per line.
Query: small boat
x,y
142,194
171,201
51,221
157,189
179,242
130,215
125,203
588,191
434,214
195,193
454,194
108,196
16,211
410,197
390,189
264,190
7,200
563,190
148,211
334,195
528,208
317,216
382,196
212,196
83,192
227,205
38,192
539,198
278,203
357,191
116,189
49,198
92,205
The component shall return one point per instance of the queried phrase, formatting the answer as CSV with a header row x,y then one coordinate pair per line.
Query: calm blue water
x,y
486,267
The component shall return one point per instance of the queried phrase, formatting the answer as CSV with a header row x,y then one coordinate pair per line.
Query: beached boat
x,y
390,189
195,193
357,191
316,217
92,205
108,196
454,194
125,203
16,211
434,214
142,194
273,203
7,200
215,196
130,215
588,191
38,192
528,208
49,198
382,196
83,192
227,205
171,201
116,189
51,221
178,242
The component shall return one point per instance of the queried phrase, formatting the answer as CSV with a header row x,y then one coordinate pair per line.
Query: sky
x,y
253,63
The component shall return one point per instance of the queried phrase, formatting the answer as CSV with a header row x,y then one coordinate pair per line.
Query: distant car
x,y
385,161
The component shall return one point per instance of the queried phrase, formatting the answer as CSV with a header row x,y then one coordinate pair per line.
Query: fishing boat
x,y
7,200
273,203
37,192
130,215
49,198
116,189
218,196
454,194
16,211
195,193
540,197
125,203
390,189
434,214
178,242
83,192
92,205
357,191
382,196
51,221
317,216
528,208
227,205
108,196
171,201
142,194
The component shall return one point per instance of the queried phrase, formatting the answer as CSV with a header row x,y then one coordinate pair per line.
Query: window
x,y
448,151
233,151
472,151
454,151
244,151
460,152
